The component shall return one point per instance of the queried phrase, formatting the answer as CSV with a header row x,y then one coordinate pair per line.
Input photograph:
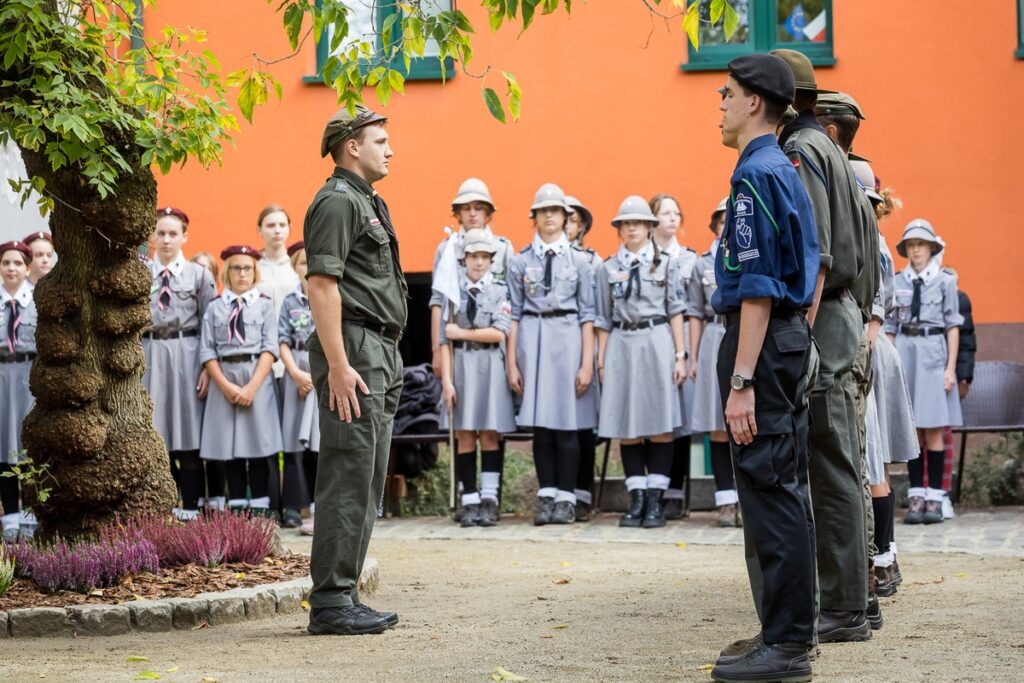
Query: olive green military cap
x,y
803,70
343,124
837,104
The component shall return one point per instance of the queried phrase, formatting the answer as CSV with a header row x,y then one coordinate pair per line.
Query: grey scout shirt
x,y
499,265
572,283
492,306
940,306
25,330
701,287
295,323
192,289
655,293
259,326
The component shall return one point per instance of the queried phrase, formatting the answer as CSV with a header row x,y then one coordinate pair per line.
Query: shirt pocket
x,y
902,300
26,326
566,280
382,263
617,283
931,306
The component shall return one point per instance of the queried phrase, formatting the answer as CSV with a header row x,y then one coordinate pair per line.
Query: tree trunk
x,y
92,424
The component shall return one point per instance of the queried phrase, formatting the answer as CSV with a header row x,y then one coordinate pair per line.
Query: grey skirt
x,y
924,362
15,403
172,373
483,397
231,432
548,355
638,397
300,417
873,447
707,414
895,413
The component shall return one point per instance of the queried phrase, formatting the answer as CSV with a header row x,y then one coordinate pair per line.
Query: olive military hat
x,y
765,75
343,124
838,104
919,229
634,208
803,70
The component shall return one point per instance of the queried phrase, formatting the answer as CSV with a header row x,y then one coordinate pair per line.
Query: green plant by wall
x,y
6,569
995,474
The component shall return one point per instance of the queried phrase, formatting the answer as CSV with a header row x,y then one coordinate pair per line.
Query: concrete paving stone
x,y
151,616
40,622
5,626
288,598
100,620
260,605
189,612
226,610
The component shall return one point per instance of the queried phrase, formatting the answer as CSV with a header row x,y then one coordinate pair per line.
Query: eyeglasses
x,y
241,269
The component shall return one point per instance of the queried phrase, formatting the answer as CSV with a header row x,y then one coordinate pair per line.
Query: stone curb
x,y
154,616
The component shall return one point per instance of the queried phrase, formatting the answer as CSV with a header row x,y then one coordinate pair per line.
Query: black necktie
x,y
471,305
634,276
381,209
915,303
164,300
236,323
12,326
549,259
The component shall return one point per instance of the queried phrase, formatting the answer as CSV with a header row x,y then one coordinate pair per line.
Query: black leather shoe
x,y
741,648
350,620
673,508
897,577
654,516
564,513
782,662
291,519
634,516
843,627
389,618
488,512
547,507
583,511
874,613
886,582
471,517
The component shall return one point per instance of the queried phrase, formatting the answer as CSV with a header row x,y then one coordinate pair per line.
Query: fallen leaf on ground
x,y
137,658
208,679
961,575
240,575
503,675
305,605
564,564
941,579
707,667
147,675
173,669
559,627
681,545
563,580
96,593
200,625
547,637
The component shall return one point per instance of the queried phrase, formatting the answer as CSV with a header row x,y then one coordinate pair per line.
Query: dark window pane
x,y
715,35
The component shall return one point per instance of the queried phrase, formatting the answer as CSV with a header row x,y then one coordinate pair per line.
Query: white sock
x,y
186,515
916,492
489,482
260,503
27,519
547,492
657,481
892,548
312,509
934,495
726,497
202,502
584,496
11,521
674,494
563,496
471,498
883,560
633,483
237,503
216,502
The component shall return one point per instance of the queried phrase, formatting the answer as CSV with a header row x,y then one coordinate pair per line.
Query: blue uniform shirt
x,y
769,245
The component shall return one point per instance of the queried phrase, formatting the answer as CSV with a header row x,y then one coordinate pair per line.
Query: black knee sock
x,y
293,483
309,459
259,476
465,469
588,454
721,466
544,458
633,461
915,470
490,461
237,479
216,478
936,465
567,460
190,478
892,521
680,462
9,491
882,506
660,457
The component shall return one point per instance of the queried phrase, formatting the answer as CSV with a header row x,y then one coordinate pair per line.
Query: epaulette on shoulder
x,y
503,239
948,271
525,249
706,253
264,296
339,185
216,298
693,251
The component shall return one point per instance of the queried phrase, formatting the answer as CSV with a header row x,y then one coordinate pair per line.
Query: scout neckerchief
x,y
174,268
548,251
473,291
12,305
919,280
633,261
236,321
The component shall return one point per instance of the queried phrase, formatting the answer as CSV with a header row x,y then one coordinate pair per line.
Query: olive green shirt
x,y
348,236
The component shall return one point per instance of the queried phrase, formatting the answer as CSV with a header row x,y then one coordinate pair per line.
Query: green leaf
x,y
494,104
732,22
501,674
137,658
691,24
515,95
716,10
293,17
529,7
147,675
397,81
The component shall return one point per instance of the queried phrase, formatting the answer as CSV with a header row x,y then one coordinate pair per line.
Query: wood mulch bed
x,y
177,582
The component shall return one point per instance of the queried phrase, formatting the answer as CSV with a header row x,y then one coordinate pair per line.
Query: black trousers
x,y
771,477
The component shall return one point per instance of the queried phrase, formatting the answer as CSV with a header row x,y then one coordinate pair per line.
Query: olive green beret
x,y
837,104
343,124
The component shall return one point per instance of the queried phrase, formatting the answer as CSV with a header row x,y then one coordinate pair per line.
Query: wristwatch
x,y
739,382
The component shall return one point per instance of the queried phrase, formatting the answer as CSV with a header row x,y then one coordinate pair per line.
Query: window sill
x,y
719,65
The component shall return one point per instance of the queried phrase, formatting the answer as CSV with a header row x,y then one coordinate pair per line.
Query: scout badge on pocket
x,y
532,279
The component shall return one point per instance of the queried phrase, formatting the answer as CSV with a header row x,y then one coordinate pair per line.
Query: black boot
x,y
874,612
544,511
634,517
843,627
655,515
777,662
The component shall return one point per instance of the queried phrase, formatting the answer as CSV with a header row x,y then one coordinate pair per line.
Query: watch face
x,y
737,383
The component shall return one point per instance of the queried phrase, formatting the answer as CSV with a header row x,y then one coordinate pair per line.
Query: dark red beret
x,y
236,249
171,211
296,247
41,235
16,246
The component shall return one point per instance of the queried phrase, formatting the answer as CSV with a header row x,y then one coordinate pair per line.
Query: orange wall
x,y
607,113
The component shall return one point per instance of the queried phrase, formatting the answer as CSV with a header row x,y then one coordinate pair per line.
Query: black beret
x,y
766,75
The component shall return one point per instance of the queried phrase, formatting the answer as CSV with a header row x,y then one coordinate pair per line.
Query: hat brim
x,y
472,197
622,218
901,246
551,203
587,218
479,248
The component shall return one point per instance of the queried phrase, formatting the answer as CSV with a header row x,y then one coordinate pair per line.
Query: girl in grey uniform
x,y
925,326
576,228
40,244
641,359
707,416
666,236
551,290
174,377
17,350
241,425
476,390
300,418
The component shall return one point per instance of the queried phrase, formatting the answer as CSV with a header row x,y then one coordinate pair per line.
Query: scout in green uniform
x,y
357,294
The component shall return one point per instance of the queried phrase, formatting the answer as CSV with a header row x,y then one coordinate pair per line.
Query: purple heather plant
x,y
84,566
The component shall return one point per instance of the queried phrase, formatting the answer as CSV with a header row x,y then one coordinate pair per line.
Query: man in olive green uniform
x,y
357,294
838,326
